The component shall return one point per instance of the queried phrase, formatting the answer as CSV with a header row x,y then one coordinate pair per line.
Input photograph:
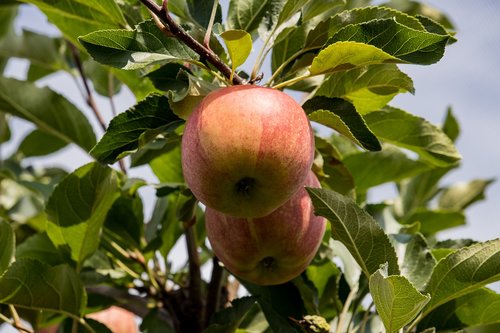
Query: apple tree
x,y
266,195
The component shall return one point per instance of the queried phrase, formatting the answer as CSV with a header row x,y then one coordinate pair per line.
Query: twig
x,y
12,322
195,292
345,309
162,13
206,40
111,90
214,290
90,97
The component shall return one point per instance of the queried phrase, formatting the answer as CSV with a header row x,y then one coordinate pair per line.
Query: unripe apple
x,y
272,249
246,150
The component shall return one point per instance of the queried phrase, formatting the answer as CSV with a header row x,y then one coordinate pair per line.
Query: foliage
x,y
74,242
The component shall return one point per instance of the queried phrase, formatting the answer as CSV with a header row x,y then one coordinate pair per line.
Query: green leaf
x,y
370,169
368,88
463,272
479,308
433,221
4,128
399,41
153,323
246,14
40,247
451,127
7,245
168,167
228,319
40,143
408,131
46,54
133,49
239,46
341,115
34,285
345,55
79,17
200,11
279,303
104,81
417,261
124,221
49,111
269,22
366,14
123,135
396,300
77,209
460,196
356,229
418,9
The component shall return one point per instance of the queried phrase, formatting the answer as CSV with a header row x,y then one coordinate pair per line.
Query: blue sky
x,y
467,79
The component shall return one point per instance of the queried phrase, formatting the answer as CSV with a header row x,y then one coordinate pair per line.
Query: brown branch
x,y
90,96
214,290
162,13
195,289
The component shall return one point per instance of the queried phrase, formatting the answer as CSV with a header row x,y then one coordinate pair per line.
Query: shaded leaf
x,y
126,130
7,245
368,88
451,127
40,247
478,308
279,303
79,17
246,14
77,209
40,143
104,81
200,11
341,115
396,300
31,284
133,49
433,221
125,221
370,169
356,229
417,134
37,105
463,272
416,261
4,128
228,319
460,196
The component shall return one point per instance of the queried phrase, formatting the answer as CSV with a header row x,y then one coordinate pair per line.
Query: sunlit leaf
x,y
77,209
432,221
461,195
396,299
408,131
239,46
133,49
463,272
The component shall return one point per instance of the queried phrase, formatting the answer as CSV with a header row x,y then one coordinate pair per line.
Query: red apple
x,y
272,249
246,150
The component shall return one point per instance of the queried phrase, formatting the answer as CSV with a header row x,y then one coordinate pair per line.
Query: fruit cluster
x,y
247,153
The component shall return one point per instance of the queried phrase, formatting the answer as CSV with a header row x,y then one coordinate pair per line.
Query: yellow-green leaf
x,y
239,45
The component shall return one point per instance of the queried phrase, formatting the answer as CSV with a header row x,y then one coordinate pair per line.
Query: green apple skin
x,y
269,250
246,150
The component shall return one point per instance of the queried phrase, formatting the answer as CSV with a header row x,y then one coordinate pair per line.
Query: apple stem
x,y
162,13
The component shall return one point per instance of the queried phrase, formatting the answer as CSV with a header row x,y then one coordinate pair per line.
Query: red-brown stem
x,y
205,53
195,289
214,290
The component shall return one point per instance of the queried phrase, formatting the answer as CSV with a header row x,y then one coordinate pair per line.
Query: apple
x,y
117,319
246,150
272,249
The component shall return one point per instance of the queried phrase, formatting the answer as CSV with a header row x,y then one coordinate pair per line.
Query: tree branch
x,y
162,13
195,292
214,290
